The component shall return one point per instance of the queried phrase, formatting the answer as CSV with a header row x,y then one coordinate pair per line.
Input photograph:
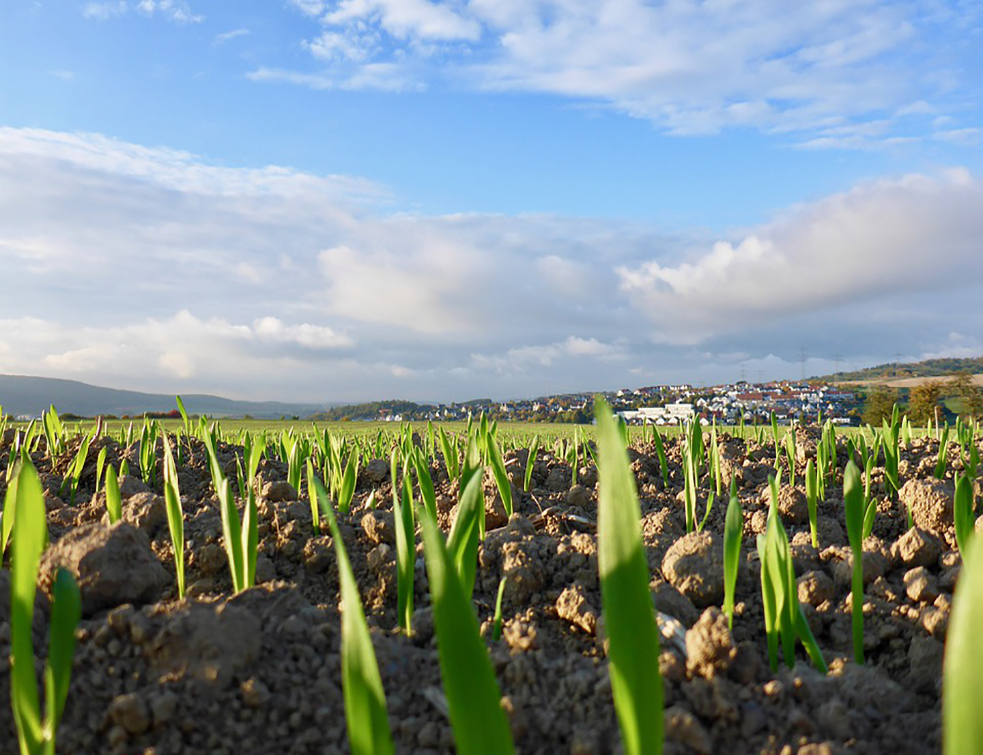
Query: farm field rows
x,y
231,667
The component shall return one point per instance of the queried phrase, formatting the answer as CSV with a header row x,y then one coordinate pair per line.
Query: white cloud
x,y
175,10
691,67
105,10
146,266
880,239
221,39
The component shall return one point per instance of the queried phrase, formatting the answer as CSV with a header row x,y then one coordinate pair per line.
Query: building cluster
x,y
664,405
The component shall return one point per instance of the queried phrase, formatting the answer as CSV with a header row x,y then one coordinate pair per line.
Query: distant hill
x,y
20,395
930,368
372,410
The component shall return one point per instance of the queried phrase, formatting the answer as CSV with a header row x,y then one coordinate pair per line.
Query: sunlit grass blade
x,y
347,490
365,700
312,497
473,697
231,531
812,494
733,534
962,677
964,511
449,450
425,482
66,610
100,467
175,516
29,534
114,503
462,542
629,618
530,463
497,464
405,554
853,499
497,620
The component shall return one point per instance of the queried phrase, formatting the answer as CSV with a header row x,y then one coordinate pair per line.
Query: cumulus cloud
x,y
154,268
691,67
881,239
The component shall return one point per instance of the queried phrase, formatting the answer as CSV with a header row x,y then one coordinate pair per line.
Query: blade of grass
x,y
629,618
365,700
962,677
473,697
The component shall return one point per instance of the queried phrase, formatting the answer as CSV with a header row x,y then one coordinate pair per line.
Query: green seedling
x,y
497,464
449,449
660,449
629,619
473,697
465,534
114,502
962,676
365,699
530,463
405,553
853,499
812,494
784,619
175,516
733,534
497,620
964,511
424,480
36,735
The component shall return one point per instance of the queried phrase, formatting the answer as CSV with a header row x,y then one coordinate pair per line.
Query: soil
x,y
259,672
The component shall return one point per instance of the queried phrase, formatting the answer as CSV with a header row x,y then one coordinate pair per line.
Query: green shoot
x,y
365,700
962,676
630,622
964,512
812,493
175,516
405,553
530,463
733,534
497,620
501,476
853,499
36,736
114,503
473,696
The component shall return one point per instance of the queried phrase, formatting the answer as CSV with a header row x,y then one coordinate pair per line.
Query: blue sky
x,y
442,200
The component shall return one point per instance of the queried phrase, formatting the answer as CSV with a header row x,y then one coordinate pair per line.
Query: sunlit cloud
x,y
148,265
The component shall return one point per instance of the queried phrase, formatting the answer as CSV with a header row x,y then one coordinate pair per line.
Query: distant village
x,y
661,405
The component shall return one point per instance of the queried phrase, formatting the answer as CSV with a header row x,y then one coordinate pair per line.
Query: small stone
x,y
814,588
211,559
163,707
375,471
277,491
694,566
709,645
930,503
379,526
130,712
255,694
917,547
429,735
579,497
575,608
683,727
920,585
